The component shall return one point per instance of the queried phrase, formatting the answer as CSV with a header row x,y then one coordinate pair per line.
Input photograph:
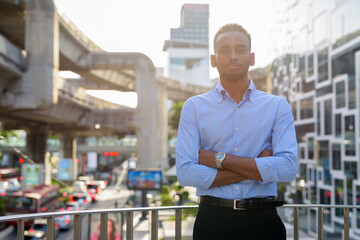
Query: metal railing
x,y
154,219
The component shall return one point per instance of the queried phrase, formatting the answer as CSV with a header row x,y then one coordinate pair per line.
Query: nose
x,y
233,55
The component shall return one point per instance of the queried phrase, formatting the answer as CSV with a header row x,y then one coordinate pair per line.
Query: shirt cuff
x,y
267,170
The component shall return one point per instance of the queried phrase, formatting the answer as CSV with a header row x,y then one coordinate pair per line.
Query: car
x,y
72,206
79,187
65,222
34,235
14,184
39,226
4,187
84,199
86,179
98,185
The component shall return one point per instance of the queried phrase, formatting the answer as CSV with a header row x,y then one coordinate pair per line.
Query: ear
x,y
213,60
252,59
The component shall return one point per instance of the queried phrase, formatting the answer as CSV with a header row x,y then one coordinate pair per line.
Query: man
x,y
236,143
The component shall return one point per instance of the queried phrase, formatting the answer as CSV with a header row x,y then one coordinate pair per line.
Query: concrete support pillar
x,y
146,119
68,149
36,143
37,89
163,125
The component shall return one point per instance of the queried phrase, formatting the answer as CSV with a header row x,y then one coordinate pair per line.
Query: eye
x,y
241,50
224,51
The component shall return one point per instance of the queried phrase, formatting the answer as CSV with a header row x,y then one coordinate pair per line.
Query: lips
x,y
234,66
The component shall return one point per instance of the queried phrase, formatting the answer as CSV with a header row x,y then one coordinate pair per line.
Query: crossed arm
x,y
235,168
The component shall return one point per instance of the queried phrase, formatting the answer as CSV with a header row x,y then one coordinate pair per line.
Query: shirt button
x,y
237,188
236,108
235,149
227,94
236,128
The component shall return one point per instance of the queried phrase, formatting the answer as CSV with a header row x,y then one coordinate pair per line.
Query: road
x,y
106,199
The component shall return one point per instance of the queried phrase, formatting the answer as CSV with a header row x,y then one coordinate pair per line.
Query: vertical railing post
x,y
103,226
296,223
20,229
129,226
122,224
178,218
77,227
154,225
89,226
320,224
50,228
346,223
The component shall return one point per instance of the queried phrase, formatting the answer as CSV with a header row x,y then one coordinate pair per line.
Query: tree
x,y
175,113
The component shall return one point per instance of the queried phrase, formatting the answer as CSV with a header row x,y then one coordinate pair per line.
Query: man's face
x,y
232,56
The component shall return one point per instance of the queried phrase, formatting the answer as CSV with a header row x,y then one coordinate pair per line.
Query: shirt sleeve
x,y
189,171
283,165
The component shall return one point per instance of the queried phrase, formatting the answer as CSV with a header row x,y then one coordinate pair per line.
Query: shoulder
x,y
268,97
202,98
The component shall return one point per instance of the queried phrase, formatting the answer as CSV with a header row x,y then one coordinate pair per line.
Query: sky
x,y
144,25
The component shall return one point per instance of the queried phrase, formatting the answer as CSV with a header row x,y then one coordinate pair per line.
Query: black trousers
x,y
224,223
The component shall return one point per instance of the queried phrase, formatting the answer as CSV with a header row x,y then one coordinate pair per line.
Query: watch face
x,y
220,155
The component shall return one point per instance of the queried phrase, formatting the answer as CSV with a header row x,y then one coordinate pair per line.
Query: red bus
x,y
41,198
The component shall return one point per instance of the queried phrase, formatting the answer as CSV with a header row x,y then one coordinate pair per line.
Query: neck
x,y
236,89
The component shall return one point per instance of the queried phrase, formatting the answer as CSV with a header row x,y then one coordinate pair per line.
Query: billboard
x,y
144,179
64,167
33,174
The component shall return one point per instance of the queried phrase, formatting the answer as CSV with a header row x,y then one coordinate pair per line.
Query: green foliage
x,y
8,134
166,200
190,212
175,113
165,189
2,205
176,186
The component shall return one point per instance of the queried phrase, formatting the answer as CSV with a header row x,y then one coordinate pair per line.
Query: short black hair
x,y
232,27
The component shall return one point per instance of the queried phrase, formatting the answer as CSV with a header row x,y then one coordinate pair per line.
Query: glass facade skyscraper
x,y
319,74
188,46
194,23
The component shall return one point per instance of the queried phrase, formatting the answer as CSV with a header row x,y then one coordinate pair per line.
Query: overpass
x,y
36,42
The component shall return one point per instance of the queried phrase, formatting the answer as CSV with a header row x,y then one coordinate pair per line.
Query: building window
x,y
328,117
350,136
310,65
339,197
351,91
322,64
338,124
310,148
340,94
336,156
306,108
325,198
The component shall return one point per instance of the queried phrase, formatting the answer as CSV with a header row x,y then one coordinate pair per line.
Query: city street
x,y
106,199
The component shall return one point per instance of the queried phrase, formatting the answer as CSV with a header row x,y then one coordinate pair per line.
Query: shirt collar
x,y
221,91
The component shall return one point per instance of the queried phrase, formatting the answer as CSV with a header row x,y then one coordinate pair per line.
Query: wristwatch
x,y
219,158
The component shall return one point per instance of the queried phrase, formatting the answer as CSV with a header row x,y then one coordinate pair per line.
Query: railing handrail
x,y
20,218
107,210
119,210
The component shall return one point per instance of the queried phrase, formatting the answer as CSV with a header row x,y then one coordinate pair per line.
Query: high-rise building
x,y
318,72
188,47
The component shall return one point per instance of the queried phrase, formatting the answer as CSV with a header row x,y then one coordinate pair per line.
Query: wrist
x,y
219,158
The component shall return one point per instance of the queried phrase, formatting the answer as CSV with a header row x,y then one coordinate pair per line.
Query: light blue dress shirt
x,y
214,121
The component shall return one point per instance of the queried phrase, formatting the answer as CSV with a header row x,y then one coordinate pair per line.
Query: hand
x,y
207,158
266,153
